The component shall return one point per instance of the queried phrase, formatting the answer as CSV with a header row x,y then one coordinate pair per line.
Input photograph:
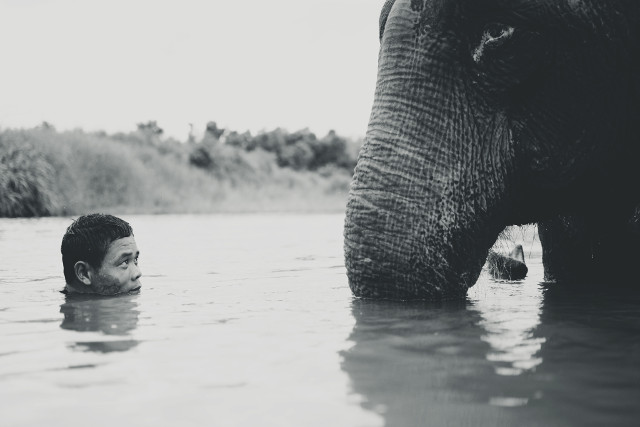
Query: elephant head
x,y
489,113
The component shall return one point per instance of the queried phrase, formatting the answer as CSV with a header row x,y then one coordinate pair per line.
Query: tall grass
x,y
26,180
44,172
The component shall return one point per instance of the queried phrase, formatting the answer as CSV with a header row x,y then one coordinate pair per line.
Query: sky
x,y
247,65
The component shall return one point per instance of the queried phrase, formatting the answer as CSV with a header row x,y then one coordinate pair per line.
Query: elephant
x,y
490,113
507,267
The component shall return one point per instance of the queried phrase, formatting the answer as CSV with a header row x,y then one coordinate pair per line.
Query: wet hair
x,y
88,239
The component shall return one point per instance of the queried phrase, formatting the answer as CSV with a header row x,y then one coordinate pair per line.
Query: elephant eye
x,y
494,35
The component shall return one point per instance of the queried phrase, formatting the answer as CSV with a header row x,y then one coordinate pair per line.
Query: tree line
x,y
299,150
47,172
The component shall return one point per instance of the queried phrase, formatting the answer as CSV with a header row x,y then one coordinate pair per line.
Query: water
x,y
248,320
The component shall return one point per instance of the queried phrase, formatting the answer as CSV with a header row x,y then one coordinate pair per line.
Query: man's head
x,y
100,255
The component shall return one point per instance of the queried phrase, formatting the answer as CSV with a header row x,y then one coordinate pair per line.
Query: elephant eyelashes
x,y
494,35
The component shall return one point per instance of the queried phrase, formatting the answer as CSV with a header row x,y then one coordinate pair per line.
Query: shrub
x,y
26,180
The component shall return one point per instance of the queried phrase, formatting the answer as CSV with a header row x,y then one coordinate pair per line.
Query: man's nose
x,y
136,272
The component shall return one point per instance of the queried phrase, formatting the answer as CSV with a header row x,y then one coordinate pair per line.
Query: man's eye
x,y
136,261
125,263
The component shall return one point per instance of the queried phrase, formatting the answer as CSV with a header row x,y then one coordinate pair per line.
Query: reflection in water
x,y
522,354
418,363
510,328
591,357
110,315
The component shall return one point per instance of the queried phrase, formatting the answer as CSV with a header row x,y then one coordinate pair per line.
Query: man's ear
x,y
83,273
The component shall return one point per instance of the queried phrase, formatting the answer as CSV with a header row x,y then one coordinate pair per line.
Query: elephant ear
x,y
386,9
506,56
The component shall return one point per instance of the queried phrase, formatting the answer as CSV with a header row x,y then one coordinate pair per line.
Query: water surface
x,y
248,320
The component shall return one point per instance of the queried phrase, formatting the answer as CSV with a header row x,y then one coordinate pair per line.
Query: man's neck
x,y
77,288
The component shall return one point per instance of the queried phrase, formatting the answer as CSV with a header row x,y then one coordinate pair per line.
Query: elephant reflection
x,y
113,316
419,364
438,365
591,354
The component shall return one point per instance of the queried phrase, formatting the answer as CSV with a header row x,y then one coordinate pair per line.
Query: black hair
x,y
88,239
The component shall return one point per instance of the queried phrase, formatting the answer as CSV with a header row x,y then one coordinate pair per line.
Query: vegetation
x,y
46,172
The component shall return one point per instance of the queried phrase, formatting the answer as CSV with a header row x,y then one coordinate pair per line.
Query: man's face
x,y
119,271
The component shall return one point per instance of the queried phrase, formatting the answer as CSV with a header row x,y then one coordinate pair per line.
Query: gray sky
x,y
246,64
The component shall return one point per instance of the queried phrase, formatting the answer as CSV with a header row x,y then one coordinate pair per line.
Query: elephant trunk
x,y
429,190
416,228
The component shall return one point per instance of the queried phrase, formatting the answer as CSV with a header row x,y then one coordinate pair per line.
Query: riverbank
x,y
48,173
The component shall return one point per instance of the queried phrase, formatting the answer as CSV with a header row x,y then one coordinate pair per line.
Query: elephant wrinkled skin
x,y
490,113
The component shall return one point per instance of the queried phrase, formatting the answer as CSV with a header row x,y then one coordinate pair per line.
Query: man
x,y
100,256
